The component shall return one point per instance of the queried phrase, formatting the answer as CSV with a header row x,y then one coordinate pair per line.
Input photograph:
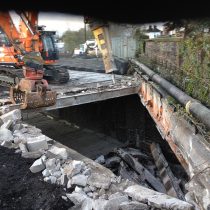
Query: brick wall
x,y
184,62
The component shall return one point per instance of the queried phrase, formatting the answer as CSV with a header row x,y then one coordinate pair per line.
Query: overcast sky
x,y
60,22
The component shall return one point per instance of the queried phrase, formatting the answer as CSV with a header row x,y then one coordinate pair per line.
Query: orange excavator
x,y
34,38
31,91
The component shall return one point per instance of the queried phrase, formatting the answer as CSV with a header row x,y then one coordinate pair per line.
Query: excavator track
x,y
10,76
56,74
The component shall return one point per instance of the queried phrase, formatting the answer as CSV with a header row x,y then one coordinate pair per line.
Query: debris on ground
x,y
69,182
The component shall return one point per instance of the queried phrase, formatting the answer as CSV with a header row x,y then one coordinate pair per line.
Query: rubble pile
x,y
86,185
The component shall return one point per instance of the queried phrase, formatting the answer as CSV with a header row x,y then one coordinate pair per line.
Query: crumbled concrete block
x,y
33,130
76,198
17,140
36,143
24,130
99,180
7,124
57,152
13,115
95,195
51,163
4,109
79,179
5,135
7,144
32,155
87,189
23,147
104,196
73,168
64,180
90,194
17,126
156,199
100,159
87,172
133,205
69,184
101,192
37,166
78,190
99,204
57,174
113,203
92,188
52,179
18,136
115,195
18,151
47,179
87,204
46,173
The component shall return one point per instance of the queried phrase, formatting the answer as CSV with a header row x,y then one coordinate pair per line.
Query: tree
x,y
73,39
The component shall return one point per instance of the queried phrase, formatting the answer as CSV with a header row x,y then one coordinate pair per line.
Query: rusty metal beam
x,y
190,147
168,179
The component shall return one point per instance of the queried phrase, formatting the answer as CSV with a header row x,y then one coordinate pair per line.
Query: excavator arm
x,y
32,91
101,33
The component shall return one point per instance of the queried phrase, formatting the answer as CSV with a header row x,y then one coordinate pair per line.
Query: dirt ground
x,y
22,190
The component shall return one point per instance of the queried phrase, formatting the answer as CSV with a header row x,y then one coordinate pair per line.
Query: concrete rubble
x,y
90,186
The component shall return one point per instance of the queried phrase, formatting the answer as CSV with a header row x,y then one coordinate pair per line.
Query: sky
x,y
59,22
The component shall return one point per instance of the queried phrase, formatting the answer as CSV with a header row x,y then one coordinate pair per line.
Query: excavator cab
x,y
48,47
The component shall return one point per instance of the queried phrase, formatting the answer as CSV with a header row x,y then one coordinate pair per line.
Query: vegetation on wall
x,y
192,73
140,38
195,65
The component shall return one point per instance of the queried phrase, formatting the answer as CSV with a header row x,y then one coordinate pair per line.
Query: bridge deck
x,y
86,87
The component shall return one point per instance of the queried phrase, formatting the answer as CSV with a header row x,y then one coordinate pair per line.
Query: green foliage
x,y
192,72
140,38
73,39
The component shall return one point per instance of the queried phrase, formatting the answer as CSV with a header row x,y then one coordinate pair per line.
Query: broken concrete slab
x,y
37,143
46,173
99,180
13,115
52,179
57,174
32,155
7,144
57,153
23,147
87,172
7,124
79,179
133,205
76,198
156,199
73,168
99,204
114,203
100,159
51,163
37,166
5,135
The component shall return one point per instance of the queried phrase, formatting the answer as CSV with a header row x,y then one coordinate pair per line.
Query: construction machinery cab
x,y
48,47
